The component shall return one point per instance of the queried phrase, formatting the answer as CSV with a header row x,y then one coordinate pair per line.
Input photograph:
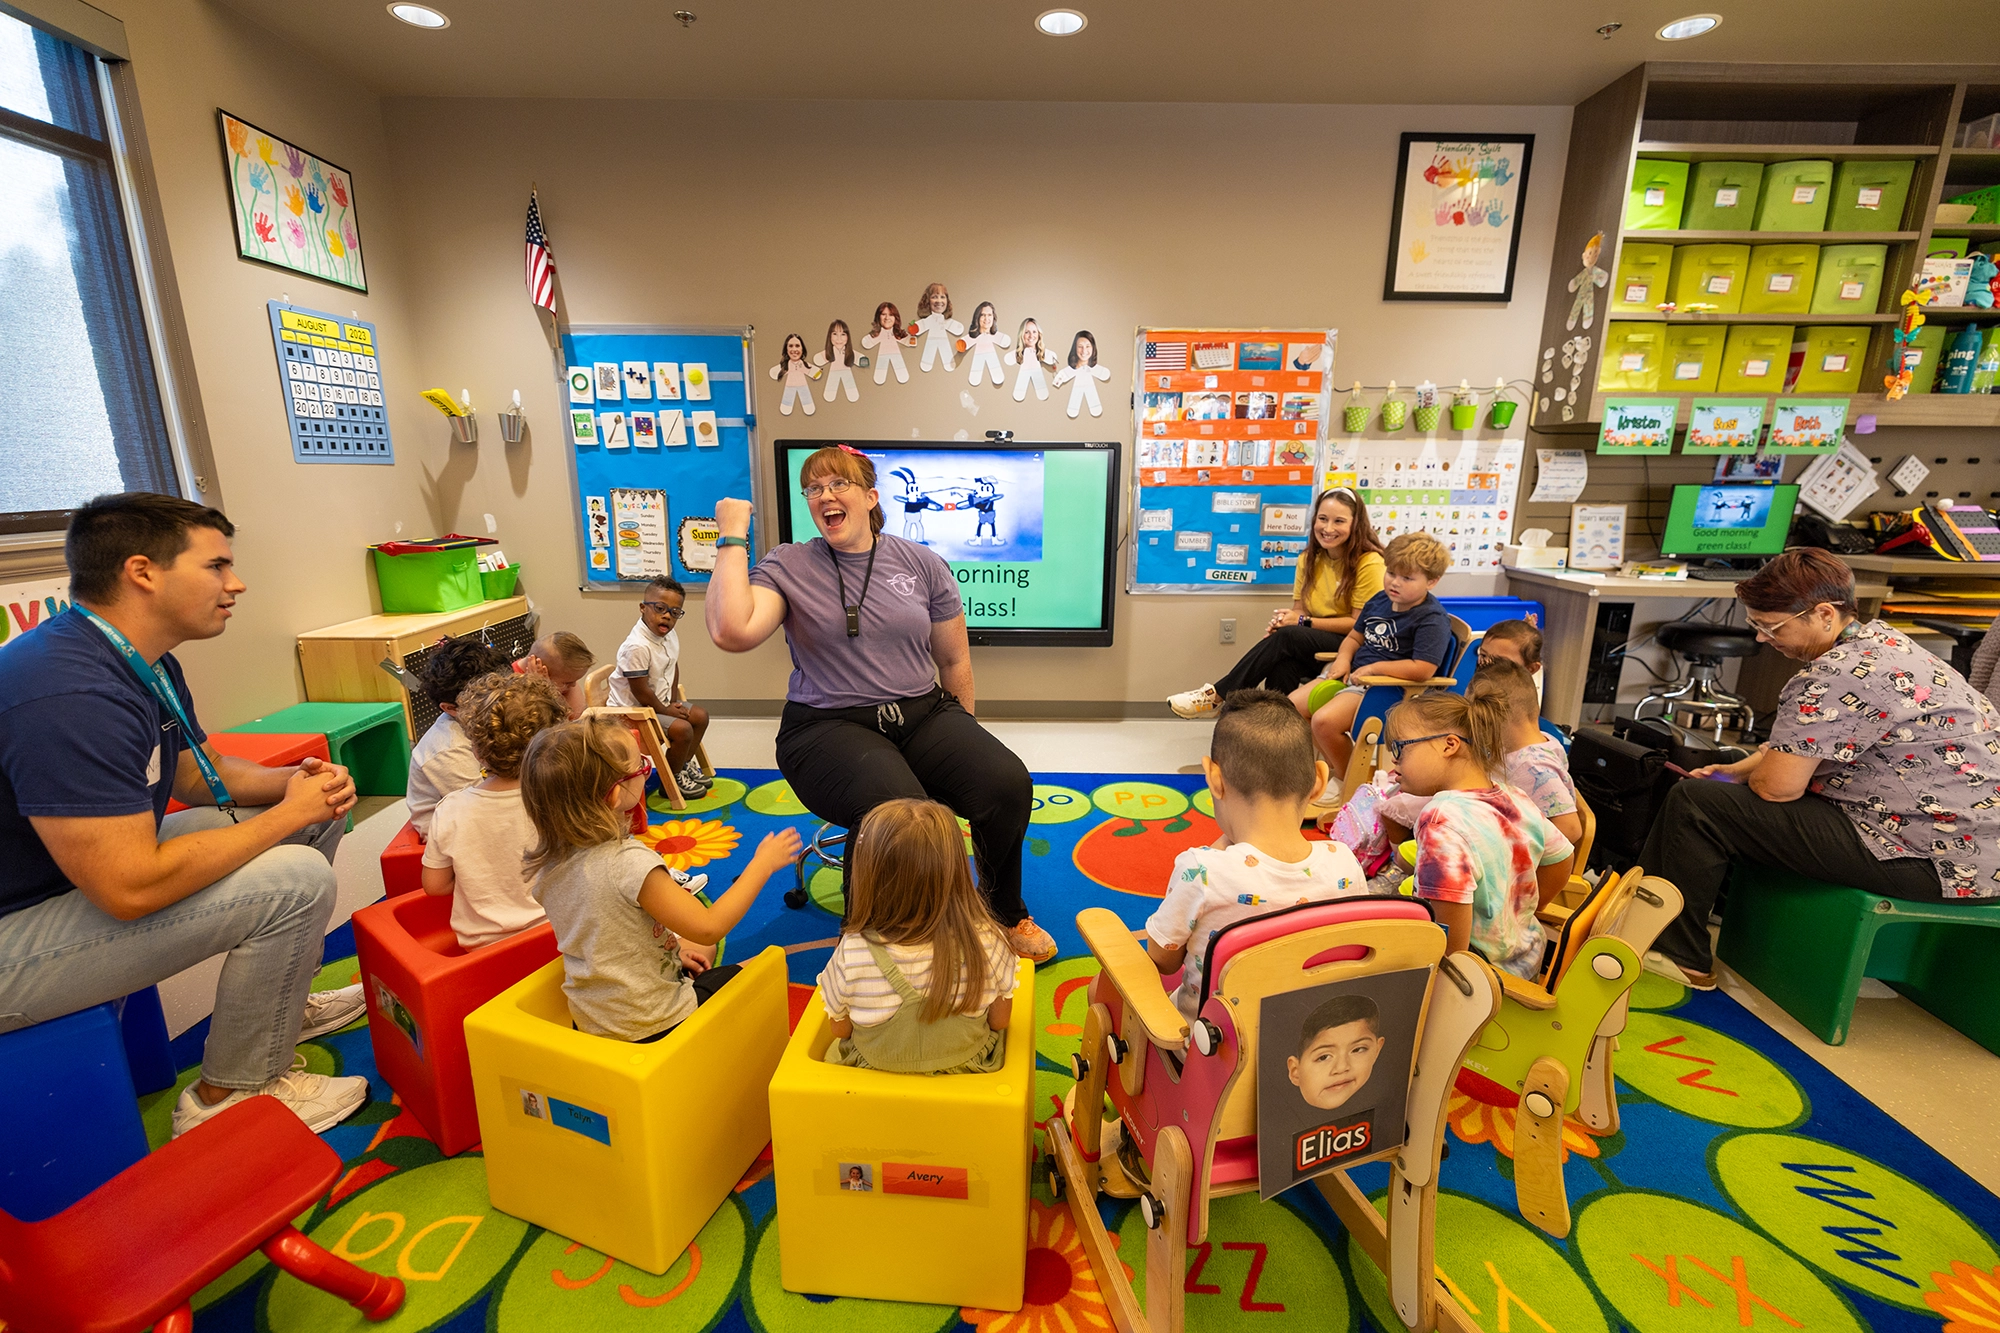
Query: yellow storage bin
x,y
1780,279
946,1164
1849,280
1659,188
1754,358
1693,358
1835,355
1710,275
1796,196
1641,285
1631,360
628,1148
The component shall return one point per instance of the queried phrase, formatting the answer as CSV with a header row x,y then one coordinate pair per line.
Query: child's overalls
x,y
905,1044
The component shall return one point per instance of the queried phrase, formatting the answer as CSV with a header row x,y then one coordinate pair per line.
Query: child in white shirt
x,y
480,833
442,761
1263,773
648,675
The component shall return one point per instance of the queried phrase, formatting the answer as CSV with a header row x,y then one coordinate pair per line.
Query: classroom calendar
x,y
333,387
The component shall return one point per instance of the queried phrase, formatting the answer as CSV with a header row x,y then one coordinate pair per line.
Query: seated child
x,y
479,833
922,981
1403,632
442,761
1536,764
620,918
1478,844
1262,774
563,659
648,674
1516,641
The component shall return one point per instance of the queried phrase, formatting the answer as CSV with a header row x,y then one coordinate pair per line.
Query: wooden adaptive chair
x,y
1372,717
1548,1050
1185,1094
652,737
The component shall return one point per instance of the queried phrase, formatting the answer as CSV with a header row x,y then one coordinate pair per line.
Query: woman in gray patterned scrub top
x,y
1882,772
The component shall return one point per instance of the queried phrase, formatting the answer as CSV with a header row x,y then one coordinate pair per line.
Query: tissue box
x,y
1534,557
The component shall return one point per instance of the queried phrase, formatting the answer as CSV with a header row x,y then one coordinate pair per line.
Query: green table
x,y
369,739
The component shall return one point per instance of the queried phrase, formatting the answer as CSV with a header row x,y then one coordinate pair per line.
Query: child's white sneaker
x,y
318,1099
1195,703
692,883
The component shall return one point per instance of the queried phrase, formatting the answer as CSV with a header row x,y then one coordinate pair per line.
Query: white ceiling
x,y
1458,52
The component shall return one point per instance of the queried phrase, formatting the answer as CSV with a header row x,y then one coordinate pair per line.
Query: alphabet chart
x,y
1459,486
333,386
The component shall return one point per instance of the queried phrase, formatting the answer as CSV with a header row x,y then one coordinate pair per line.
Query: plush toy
x,y
1979,290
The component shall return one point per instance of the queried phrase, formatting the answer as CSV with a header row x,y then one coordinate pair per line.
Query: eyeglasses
x,y
644,769
662,609
1771,630
838,486
1396,748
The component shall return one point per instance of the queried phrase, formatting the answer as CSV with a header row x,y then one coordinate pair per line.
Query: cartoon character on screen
x,y
1030,353
1586,283
914,502
937,326
983,498
887,338
1085,372
982,343
796,372
837,361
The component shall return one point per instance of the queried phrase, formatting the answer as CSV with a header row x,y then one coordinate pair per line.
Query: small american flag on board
x,y
541,271
1166,356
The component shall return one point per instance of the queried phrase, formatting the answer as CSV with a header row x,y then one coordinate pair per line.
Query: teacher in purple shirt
x,y
881,699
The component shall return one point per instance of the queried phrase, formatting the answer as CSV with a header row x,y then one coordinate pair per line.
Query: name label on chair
x,y
936,1182
580,1120
1319,1148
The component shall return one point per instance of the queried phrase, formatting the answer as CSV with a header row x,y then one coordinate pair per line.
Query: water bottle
x,y
1955,376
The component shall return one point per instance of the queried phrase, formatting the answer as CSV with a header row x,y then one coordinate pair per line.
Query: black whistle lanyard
x,y
854,611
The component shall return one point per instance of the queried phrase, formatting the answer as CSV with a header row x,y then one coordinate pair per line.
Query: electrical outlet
x,y
1229,629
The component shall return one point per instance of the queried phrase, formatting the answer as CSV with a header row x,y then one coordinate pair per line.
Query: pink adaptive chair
x,y
1186,1094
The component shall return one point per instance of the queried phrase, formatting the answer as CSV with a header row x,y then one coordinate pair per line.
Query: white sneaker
x,y
1195,703
692,883
331,1010
319,1100
1662,966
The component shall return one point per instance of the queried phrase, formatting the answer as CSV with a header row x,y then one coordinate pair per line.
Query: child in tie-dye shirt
x,y
1486,857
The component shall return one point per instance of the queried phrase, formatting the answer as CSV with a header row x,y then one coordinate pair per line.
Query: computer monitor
x,y
1728,520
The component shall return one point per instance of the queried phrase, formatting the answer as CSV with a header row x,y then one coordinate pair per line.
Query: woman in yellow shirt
x,y
1340,569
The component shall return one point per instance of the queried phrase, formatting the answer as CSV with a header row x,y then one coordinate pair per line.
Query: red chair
x,y
132,1252
275,750
403,862
420,986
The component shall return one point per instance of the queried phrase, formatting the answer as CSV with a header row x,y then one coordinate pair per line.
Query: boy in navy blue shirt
x,y
1402,632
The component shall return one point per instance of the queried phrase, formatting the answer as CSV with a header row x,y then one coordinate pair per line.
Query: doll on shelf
x,y
1031,354
796,372
1084,371
837,361
887,338
937,326
982,344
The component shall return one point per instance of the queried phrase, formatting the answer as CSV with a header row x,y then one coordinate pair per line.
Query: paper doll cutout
x,y
982,344
887,341
1084,372
1586,283
837,361
937,326
796,371
1030,353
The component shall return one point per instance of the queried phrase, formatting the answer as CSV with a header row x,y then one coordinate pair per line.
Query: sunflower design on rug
x,y
1967,1297
685,844
1060,1294
1474,1121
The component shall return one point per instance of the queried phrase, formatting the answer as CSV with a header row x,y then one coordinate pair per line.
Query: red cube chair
x,y
403,862
420,986
276,750
135,1250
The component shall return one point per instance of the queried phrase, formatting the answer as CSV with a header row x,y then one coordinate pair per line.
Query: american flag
x,y
1166,356
541,264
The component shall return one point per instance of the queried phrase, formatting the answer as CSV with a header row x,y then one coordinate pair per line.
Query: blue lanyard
x,y
154,677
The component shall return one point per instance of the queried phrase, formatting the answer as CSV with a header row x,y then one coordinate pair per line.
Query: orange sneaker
x,y
1030,941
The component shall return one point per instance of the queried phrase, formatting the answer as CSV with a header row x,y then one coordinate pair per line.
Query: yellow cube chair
x,y
903,1187
626,1147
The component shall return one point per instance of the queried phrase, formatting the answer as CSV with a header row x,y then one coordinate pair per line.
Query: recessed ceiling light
x,y
1061,22
420,16
1694,25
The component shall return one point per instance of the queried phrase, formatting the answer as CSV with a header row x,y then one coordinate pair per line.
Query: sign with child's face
x,y
1333,1074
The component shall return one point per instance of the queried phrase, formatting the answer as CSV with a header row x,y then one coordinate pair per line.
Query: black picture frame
x,y
248,244
1510,144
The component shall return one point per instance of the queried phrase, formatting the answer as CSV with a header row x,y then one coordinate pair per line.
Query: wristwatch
x,y
724,542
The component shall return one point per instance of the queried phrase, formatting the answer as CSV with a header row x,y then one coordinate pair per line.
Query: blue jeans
x,y
269,916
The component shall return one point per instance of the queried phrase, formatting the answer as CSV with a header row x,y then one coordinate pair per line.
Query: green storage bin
x,y
1796,196
1631,359
1986,204
1641,284
1722,196
1658,189
1710,275
1779,280
499,583
1693,358
428,581
1835,356
1754,359
1869,196
1850,279
1922,357
1946,247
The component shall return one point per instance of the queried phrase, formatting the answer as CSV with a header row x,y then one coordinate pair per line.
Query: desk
x,y
1572,600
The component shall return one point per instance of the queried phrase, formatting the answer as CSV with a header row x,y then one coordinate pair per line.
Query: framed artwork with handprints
x,y
293,210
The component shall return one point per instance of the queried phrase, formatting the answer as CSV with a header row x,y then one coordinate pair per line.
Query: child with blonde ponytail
x,y
1486,857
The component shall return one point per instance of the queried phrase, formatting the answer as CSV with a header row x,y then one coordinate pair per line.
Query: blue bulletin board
x,y
659,423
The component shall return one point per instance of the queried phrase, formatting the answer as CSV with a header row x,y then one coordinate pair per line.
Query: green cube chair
x,y
1807,944
370,739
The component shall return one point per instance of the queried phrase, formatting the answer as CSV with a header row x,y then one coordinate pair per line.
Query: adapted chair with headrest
x,y
1705,647
1185,1093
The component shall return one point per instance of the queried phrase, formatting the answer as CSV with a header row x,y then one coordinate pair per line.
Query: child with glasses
x,y
637,947
648,675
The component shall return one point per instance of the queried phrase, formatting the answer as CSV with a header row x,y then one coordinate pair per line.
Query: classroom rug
x,y
1747,1188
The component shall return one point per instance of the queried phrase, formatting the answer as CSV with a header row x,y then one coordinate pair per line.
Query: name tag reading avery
x,y
935,1182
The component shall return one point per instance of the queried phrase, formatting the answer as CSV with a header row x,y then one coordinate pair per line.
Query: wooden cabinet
x,y
342,663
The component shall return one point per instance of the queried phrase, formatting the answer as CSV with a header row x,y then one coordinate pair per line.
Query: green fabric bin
x,y
1835,356
1631,361
1850,279
1946,247
1780,279
1641,284
499,583
1722,196
1796,196
1710,275
1658,188
1922,357
418,582
1693,358
1869,196
1754,358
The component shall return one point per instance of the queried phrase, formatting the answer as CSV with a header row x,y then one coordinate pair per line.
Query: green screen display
x,y
1729,520
1027,529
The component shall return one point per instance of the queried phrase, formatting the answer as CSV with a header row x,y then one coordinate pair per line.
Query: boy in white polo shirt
x,y
647,675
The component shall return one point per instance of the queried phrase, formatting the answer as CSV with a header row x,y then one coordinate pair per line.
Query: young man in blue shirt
x,y
101,891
